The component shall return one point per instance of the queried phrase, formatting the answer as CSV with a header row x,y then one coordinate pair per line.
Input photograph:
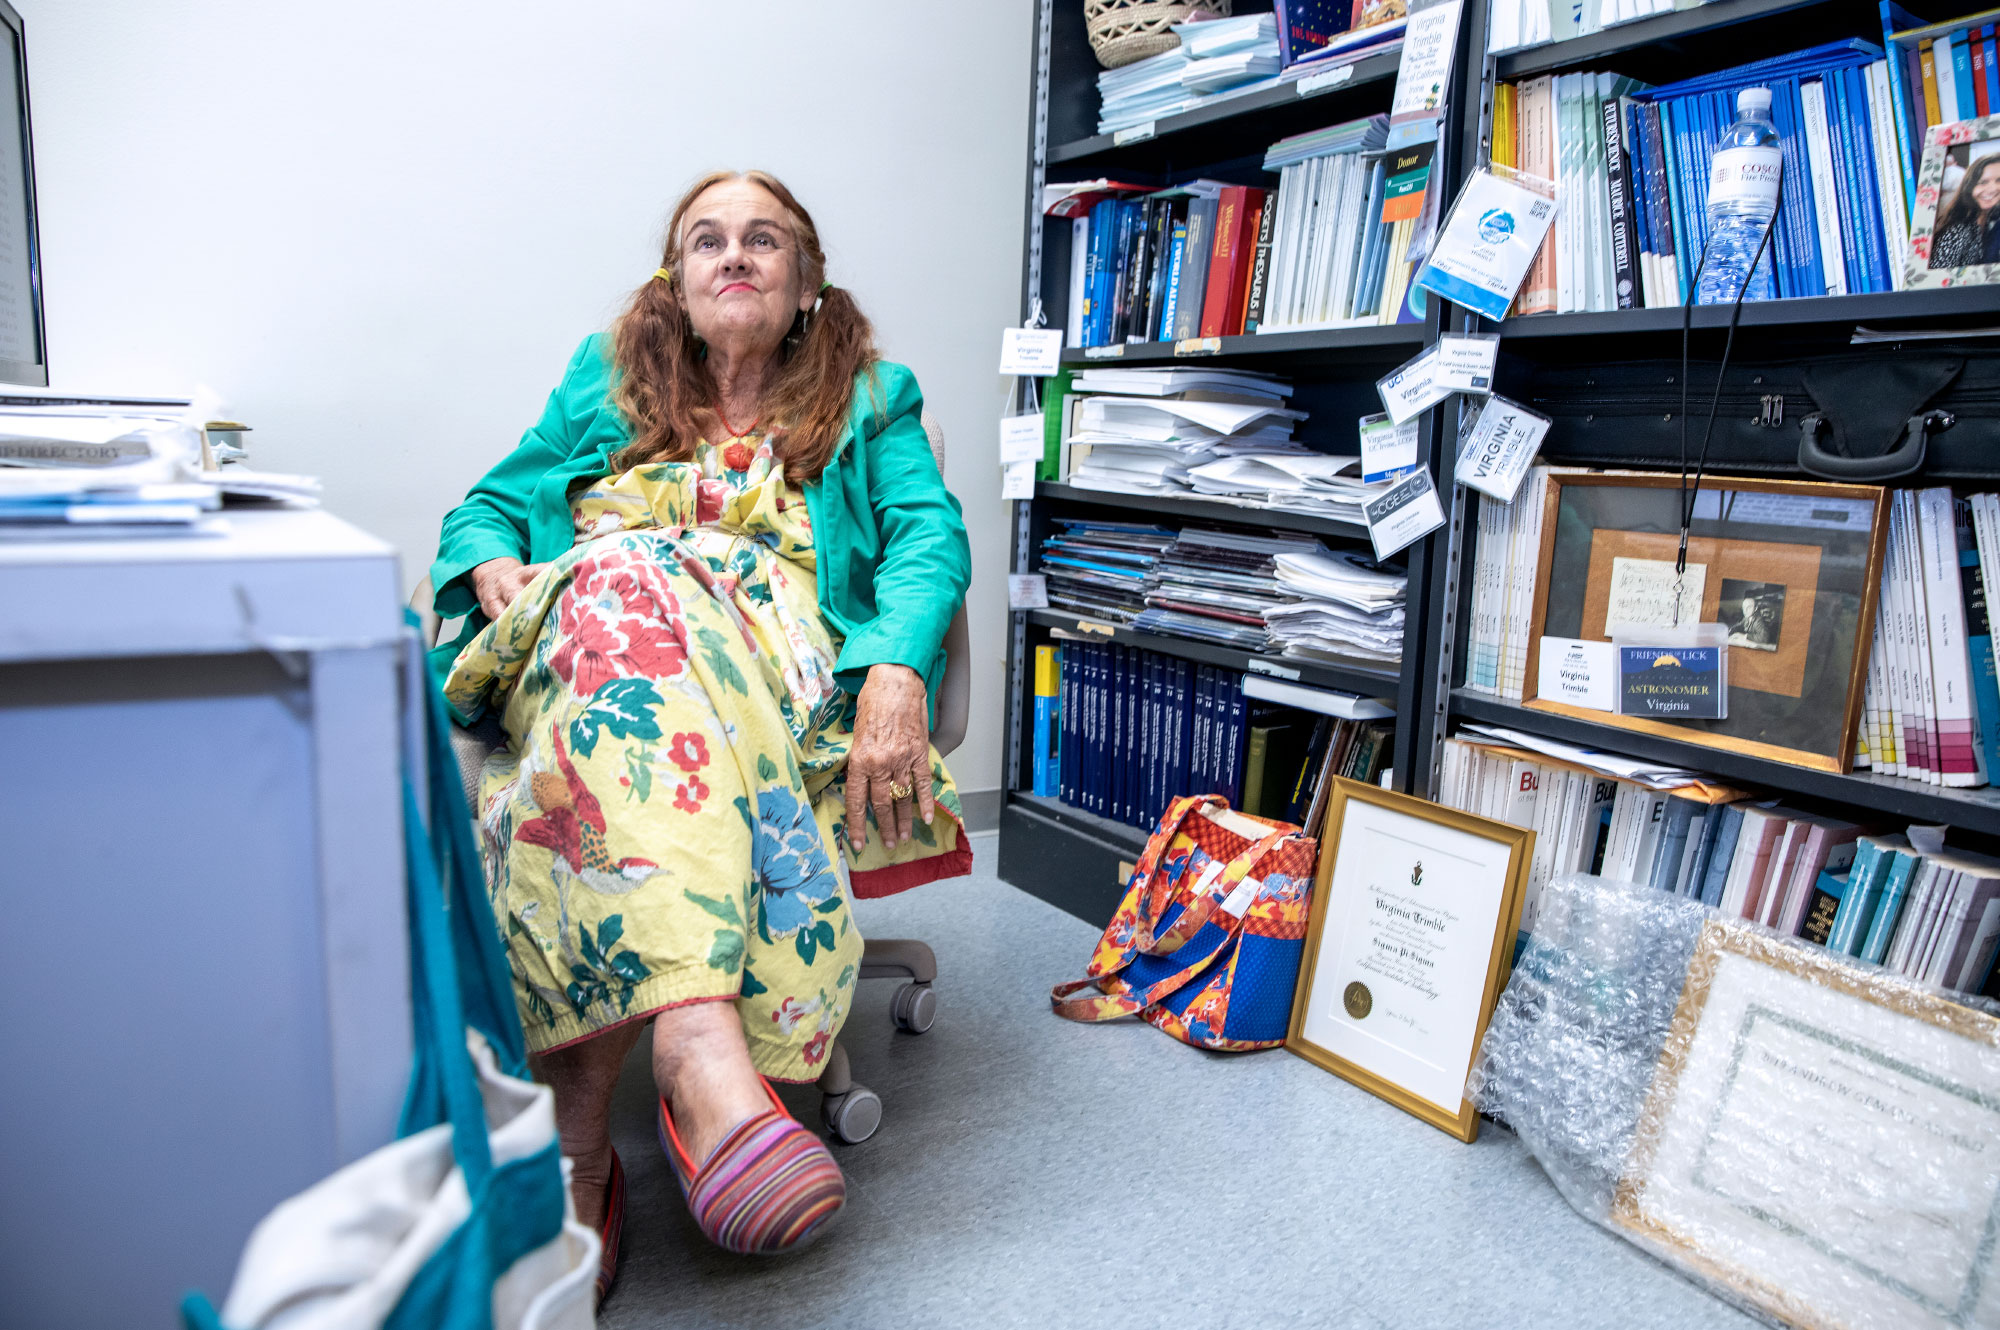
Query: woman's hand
x,y
892,748
497,581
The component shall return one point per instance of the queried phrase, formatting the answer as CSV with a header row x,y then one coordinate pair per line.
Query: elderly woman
x,y
710,589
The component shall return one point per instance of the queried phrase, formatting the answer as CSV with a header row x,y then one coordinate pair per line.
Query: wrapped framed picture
x,y
1789,569
1955,227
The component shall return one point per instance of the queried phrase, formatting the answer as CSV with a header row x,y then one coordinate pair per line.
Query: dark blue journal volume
x,y
1140,729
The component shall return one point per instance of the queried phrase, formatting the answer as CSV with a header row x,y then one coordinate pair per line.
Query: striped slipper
x,y
612,1229
770,1187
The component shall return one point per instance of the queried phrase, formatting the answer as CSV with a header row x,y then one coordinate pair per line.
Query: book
x,y
1233,210
1889,910
1827,892
1260,268
1193,287
1048,745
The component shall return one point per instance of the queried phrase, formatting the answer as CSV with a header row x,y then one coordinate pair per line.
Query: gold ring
x,y
898,790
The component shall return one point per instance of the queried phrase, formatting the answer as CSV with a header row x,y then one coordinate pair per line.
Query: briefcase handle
x,y
1904,456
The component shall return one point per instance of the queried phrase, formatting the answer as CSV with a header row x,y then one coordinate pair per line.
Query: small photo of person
x,y
1753,612
1967,231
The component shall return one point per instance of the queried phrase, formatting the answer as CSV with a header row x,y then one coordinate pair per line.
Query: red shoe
x,y
611,1230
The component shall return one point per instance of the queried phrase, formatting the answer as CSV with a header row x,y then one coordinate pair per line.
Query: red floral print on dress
x,y
689,752
709,496
689,795
815,1048
618,620
737,456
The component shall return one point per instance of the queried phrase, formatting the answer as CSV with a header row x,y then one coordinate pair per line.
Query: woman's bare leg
x,y
702,1067
583,1077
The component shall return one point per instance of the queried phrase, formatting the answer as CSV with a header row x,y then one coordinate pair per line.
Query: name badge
x,y
1406,511
1581,673
1034,351
1672,683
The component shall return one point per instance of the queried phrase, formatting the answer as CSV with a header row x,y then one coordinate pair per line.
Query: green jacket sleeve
x,y
492,522
926,560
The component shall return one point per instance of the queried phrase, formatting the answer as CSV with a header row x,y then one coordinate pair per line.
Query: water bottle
x,y
1742,196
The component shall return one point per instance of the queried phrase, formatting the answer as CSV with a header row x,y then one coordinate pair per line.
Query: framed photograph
x,y
1408,944
1818,1139
1789,569
1955,228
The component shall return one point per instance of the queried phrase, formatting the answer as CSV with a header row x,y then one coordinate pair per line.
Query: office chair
x,y
850,1110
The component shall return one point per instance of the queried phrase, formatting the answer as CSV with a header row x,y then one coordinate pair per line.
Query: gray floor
x,y
1034,1172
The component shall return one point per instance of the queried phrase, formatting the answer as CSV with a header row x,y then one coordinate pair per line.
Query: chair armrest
x,y
428,622
954,692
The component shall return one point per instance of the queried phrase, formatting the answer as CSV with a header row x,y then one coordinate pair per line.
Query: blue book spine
x,y
1890,908
1233,742
1149,737
1100,783
1986,45
1900,94
1725,850
1697,872
1860,151
1673,843
1087,757
1132,761
1185,706
1684,258
1961,73
1642,219
1068,717
1798,275
1198,781
1114,734
1863,889
1093,298
1167,306
1852,259
1048,779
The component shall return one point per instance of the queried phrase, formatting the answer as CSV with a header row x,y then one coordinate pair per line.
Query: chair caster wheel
x,y
852,1117
914,1008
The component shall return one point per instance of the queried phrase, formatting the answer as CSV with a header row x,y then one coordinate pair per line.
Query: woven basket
x,y
1122,31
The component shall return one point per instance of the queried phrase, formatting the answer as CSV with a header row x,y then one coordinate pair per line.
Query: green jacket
x,y
889,539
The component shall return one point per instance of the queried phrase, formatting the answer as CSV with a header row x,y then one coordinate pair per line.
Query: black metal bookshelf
x,y
1317,342
1968,306
1366,679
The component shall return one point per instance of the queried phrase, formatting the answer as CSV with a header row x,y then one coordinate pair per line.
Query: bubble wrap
x,y
1814,1139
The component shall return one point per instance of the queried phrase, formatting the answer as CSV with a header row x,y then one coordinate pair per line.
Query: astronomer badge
x,y
1358,1000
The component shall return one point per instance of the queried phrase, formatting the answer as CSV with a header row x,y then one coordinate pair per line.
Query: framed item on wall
x,y
1779,1052
1955,227
1789,569
1408,944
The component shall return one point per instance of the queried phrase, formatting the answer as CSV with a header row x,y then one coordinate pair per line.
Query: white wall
x,y
379,229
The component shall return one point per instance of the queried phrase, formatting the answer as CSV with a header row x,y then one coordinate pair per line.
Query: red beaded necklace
x,y
734,432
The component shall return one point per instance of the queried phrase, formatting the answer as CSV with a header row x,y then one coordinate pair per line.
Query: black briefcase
x,y
1871,415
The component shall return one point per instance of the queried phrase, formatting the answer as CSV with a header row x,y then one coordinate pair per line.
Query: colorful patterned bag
x,y
1207,942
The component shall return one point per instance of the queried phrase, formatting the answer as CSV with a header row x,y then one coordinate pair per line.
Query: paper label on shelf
x,y
1197,346
1017,480
1104,352
1388,450
1036,351
1022,439
1134,134
1465,364
1259,666
1500,447
1027,591
1409,510
1583,674
1489,240
1425,69
1410,387
1320,82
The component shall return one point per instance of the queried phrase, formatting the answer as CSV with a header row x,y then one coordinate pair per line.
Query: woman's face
x,y
1986,185
740,268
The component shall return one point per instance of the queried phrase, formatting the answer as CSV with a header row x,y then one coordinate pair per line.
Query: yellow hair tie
x,y
664,275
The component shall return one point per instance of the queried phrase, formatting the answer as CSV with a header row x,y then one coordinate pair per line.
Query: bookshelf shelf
x,y
1358,678
1890,797
1885,307
1064,855
1222,129
1579,52
1259,346
1201,510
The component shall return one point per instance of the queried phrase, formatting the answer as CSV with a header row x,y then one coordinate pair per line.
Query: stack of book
x,y
1216,59
1939,73
1631,165
1136,730
1318,35
1931,708
1100,569
1166,267
1217,586
1344,216
1933,917
1514,24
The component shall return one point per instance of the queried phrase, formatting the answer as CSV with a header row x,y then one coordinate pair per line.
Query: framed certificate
x,y
1411,933
1821,1140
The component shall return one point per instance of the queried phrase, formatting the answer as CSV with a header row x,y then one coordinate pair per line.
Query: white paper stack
x,y
1148,442
1224,53
1296,480
1218,586
1217,59
1348,608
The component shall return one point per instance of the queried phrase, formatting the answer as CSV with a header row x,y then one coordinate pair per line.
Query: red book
x,y
1246,262
1224,290
1978,71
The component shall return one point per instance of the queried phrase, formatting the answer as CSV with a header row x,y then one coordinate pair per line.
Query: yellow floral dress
x,y
666,824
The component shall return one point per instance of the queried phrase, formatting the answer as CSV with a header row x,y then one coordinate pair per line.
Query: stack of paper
x,y
1217,59
1301,481
1224,53
1149,445
1348,608
1142,91
1218,586
1345,48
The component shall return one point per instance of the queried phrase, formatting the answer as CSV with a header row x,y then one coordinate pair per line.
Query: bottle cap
x,y
1753,101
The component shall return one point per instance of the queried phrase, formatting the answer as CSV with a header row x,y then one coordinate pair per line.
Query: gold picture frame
x,y
1807,996
1418,1078
1784,705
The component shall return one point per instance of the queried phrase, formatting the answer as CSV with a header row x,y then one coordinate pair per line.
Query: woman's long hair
x,y
665,390
1963,210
